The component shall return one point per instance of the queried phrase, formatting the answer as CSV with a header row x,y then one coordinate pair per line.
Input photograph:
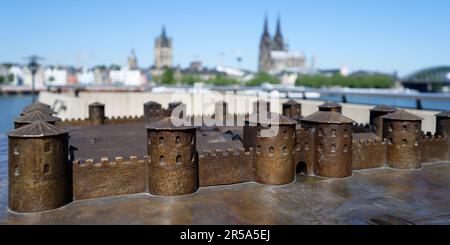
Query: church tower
x,y
278,43
265,47
132,61
163,51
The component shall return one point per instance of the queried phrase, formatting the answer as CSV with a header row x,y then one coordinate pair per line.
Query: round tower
x,y
173,169
97,113
402,130
152,110
40,176
176,105
443,124
375,117
293,110
333,140
36,115
274,143
331,106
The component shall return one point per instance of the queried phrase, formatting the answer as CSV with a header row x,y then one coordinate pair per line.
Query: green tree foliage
x,y
190,79
222,80
261,78
363,81
168,77
2,79
10,78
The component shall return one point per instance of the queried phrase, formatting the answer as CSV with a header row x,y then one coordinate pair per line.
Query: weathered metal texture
x,y
36,115
97,113
368,152
333,150
331,106
225,167
152,110
179,107
403,138
101,179
39,172
443,124
173,166
293,110
249,137
434,149
43,109
274,154
376,120
261,106
305,151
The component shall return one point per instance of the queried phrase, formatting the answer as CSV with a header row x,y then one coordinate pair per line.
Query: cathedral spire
x,y
266,26
163,32
278,26
278,39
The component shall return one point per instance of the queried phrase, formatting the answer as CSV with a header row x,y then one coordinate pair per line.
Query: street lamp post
x,y
33,65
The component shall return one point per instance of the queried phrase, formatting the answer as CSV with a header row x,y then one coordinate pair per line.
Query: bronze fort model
x,y
53,162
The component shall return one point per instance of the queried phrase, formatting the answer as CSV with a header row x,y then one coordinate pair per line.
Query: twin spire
x,y
278,42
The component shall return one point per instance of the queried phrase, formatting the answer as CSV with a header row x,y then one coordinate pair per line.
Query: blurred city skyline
x,y
385,36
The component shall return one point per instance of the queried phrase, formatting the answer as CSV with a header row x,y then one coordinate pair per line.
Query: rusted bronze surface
x,y
376,119
111,159
443,124
369,151
180,108
274,155
421,197
97,113
36,115
402,131
40,174
173,166
331,106
152,110
333,150
293,110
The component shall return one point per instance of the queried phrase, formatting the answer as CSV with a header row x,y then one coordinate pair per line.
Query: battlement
x,y
105,163
434,148
109,178
368,153
218,167
368,142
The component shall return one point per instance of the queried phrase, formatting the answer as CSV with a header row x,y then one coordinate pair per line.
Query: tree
x,y
2,79
10,78
261,78
222,80
168,77
360,81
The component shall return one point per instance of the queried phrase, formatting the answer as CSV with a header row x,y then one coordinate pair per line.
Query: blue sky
x,y
384,35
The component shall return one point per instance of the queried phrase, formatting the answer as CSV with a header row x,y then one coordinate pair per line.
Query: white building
x,y
86,77
55,76
126,77
291,61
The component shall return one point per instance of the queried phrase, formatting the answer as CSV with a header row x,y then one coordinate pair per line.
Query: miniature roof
x,y
444,114
96,104
167,124
385,108
43,109
36,115
271,118
329,104
402,115
37,104
327,117
291,102
152,103
37,129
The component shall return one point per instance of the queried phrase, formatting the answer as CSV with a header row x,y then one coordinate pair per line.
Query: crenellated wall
x,y
226,167
119,177
435,148
368,153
